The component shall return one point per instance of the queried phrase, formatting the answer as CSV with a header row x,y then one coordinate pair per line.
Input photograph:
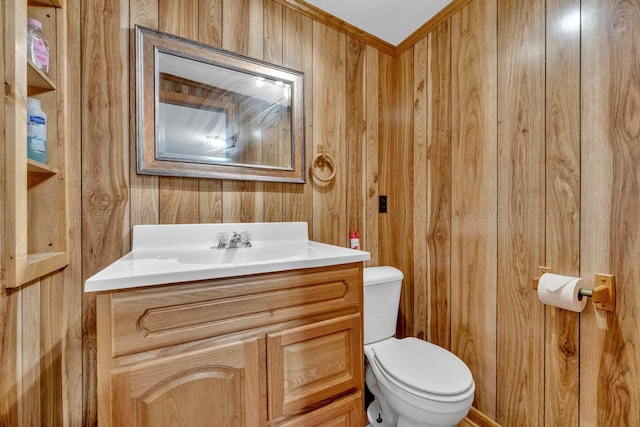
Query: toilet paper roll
x,y
561,291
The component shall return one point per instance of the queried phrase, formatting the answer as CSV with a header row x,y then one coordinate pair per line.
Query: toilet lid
x,y
424,366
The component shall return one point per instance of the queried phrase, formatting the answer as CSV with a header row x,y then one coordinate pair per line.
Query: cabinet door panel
x,y
345,412
312,363
216,386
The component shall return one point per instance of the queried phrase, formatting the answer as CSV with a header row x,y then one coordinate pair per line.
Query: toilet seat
x,y
423,369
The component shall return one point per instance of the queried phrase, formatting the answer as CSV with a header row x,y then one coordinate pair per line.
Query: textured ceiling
x,y
390,20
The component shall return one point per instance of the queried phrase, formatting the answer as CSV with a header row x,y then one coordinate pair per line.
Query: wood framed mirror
x,y
209,113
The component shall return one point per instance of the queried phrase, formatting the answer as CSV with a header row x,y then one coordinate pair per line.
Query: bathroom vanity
x,y
275,340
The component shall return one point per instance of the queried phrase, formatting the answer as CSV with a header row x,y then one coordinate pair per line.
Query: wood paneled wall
x,y
41,322
341,113
529,116
505,139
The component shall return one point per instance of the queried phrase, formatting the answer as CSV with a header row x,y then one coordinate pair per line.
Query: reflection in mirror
x,y
210,113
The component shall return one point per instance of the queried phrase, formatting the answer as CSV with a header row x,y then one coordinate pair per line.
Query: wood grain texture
x,y
609,363
420,203
370,239
9,300
210,33
61,299
438,327
178,199
473,202
610,206
432,24
52,351
143,192
521,203
273,53
298,55
250,27
242,32
562,208
329,130
345,411
355,168
30,407
105,162
395,163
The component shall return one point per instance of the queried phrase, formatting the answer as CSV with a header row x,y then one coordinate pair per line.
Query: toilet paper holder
x,y
603,293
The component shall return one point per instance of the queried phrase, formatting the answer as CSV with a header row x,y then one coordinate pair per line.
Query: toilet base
x,y
374,416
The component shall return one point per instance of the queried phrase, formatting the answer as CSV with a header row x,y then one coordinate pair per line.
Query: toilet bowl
x,y
414,382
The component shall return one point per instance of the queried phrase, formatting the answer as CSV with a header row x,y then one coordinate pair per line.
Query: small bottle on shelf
x,y
36,131
37,45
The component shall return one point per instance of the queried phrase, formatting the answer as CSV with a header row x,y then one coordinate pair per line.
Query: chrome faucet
x,y
237,240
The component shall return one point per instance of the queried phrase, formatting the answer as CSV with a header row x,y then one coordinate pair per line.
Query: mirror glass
x,y
206,112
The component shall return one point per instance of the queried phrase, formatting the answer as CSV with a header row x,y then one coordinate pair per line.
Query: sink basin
x,y
179,253
250,255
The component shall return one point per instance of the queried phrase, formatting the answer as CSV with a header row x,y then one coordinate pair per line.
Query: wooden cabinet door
x,y
213,386
345,412
311,363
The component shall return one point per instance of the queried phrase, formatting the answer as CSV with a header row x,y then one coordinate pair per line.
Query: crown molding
x,y
369,39
338,24
447,12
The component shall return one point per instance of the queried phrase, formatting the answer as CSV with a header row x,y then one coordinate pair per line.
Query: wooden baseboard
x,y
476,418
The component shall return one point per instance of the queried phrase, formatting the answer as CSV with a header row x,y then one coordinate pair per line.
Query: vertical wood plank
x,y
10,355
610,206
273,46
52,317
143,191
64,293
329,202
473,200
210,22
387,98
105,161
242,32
562,206
298,55
521,197
420,182
439,187
396,176
402,209
355,136
178,201
179,17
30,363
210,32
10,347
370,162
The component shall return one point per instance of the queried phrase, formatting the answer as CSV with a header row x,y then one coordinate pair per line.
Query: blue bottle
x,y
36,131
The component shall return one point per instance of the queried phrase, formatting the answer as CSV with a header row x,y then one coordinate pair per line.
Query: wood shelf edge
x,y
34,166
50,3
39,265
37,80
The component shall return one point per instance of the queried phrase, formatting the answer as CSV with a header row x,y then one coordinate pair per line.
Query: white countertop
x,y
180,253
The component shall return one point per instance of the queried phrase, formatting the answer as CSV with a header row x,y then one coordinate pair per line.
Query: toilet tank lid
x,y
377,275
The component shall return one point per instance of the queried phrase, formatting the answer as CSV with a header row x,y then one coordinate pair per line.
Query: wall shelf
x,y
50,3
37,81
34,166
36,234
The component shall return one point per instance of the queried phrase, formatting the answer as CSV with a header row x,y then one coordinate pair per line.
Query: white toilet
x,y
415,383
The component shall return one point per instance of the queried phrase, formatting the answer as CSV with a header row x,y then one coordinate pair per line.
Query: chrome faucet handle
x,y
246,239
222,237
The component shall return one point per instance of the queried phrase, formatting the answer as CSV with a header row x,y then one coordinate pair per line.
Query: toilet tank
x,y
381,302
